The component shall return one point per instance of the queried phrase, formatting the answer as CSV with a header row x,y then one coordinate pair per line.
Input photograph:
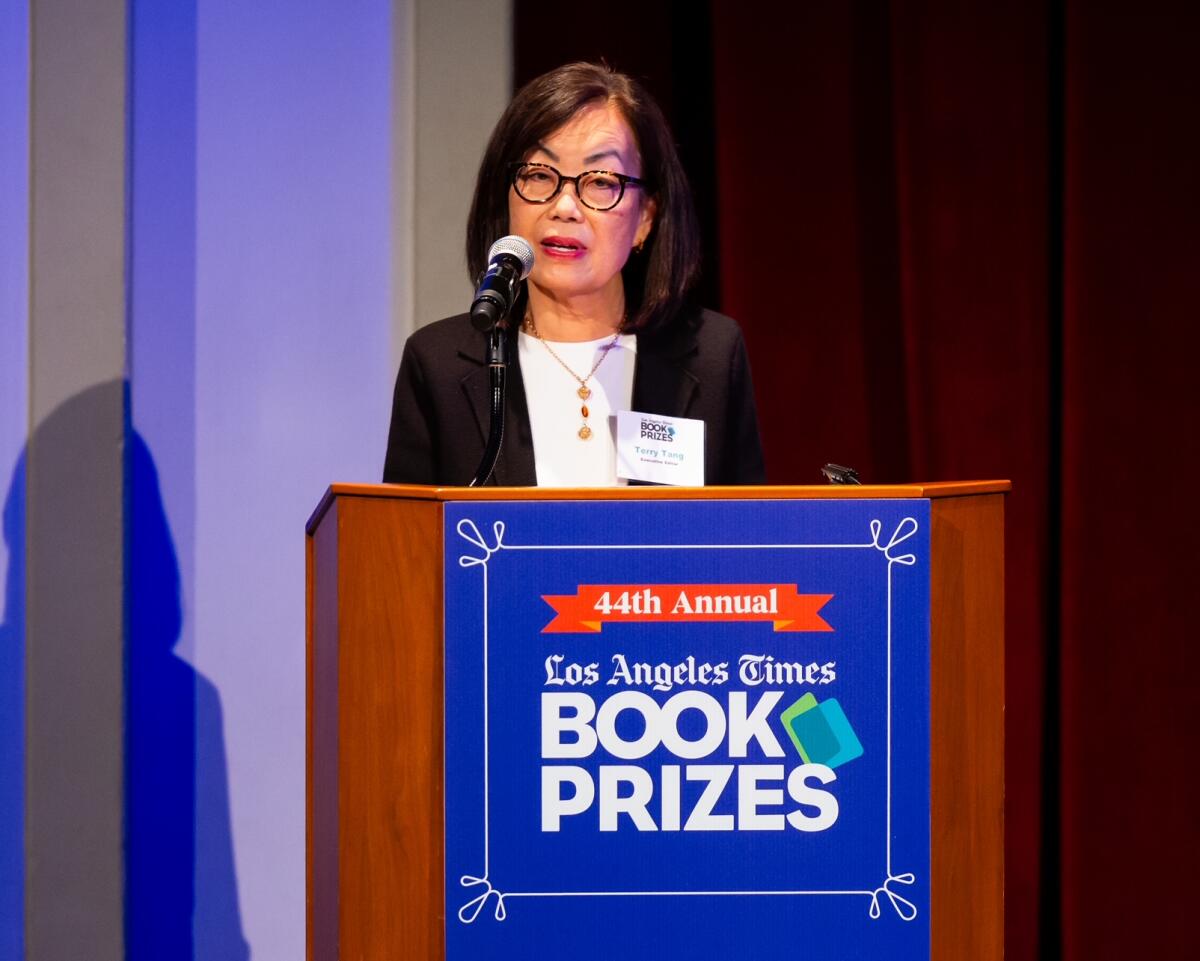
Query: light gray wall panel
x,y
463,83
74,548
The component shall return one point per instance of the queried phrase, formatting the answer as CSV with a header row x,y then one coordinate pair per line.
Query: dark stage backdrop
x,y
961,241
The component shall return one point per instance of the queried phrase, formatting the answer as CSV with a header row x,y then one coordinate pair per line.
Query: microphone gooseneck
x,y
497,368
509,263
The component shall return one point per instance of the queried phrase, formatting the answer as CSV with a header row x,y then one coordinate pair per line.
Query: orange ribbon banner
x,y
586,611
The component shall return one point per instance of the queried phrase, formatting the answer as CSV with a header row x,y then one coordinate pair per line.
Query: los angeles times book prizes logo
x,y
657,430
583,708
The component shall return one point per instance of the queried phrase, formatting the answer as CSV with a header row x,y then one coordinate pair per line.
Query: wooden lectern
x,y
375,821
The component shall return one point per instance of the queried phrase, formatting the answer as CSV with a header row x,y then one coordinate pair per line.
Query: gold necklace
x,y
584,391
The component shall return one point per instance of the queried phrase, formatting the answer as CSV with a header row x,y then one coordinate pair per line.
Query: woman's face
x,y
579,252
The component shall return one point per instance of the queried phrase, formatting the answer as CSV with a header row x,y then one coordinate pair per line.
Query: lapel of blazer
x,y
662,383
515,466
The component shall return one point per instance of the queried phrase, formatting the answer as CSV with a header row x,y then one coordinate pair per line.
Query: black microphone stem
x,y
496,368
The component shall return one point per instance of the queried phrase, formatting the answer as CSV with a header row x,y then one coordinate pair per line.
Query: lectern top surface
x,y
778,492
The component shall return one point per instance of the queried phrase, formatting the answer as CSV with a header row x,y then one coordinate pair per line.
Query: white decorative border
x,y
469,531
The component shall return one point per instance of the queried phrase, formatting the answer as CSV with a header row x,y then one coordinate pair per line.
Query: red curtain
x,y
961,240
1130,801
883,210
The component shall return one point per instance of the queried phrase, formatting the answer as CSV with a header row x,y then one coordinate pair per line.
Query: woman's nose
x,y
566,205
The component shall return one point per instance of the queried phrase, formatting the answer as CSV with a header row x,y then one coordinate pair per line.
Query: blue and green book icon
x,y
821,732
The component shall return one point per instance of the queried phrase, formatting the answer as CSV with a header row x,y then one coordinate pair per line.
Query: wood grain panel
x,y
967,728
309,587
322,735
390,712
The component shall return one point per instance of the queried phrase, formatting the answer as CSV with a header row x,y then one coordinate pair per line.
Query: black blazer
x,y
696,369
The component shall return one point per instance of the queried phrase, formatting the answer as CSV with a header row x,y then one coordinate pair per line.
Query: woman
x,y
582,165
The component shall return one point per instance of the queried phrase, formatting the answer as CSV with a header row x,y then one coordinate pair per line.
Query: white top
x,y
562,457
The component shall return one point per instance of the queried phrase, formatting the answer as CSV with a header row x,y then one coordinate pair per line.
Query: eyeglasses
x,y
597,189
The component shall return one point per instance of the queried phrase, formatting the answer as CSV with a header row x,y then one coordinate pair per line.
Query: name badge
x,y
659,449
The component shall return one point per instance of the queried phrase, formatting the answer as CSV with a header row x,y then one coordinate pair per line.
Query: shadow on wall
x,y
12,726
181,889
181,898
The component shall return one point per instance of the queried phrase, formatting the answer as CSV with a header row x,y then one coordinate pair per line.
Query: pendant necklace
x,y
584,391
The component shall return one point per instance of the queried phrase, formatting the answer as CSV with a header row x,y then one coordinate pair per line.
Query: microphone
x,y
509,262
837,474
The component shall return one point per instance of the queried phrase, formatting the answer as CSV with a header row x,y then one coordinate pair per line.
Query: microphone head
x,y
514,246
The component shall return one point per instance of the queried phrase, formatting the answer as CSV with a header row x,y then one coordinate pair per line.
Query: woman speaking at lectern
x,y
583,167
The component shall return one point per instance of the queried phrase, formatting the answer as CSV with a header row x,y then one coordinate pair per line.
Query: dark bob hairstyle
x,y
659,280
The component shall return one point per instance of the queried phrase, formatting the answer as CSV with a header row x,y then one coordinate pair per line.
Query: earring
x,y
637,248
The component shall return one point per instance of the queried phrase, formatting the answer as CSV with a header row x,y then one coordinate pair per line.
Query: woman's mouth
x,y
562,247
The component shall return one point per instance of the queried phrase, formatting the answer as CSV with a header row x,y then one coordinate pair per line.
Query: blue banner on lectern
x,y
687,729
